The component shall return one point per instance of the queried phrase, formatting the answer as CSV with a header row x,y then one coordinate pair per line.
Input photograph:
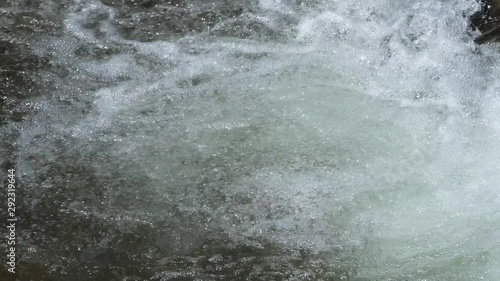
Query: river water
x,y
251,140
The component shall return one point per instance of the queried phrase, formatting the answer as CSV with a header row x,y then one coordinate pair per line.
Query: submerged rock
x,y
149,20
487,21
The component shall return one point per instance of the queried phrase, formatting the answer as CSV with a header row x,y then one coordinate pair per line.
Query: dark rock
x,y
487,22
149,20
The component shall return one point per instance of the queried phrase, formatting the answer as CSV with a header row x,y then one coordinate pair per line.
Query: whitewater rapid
x,y
323,140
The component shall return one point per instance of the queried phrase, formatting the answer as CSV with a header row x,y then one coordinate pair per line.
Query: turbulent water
x,y
251,140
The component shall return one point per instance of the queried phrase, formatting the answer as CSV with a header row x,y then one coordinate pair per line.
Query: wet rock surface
x,y
487,21
162,20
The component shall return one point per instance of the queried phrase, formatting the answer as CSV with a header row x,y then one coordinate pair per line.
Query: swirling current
x,y
250,140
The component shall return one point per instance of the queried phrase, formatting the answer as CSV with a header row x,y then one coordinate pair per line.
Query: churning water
x,y
252,140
